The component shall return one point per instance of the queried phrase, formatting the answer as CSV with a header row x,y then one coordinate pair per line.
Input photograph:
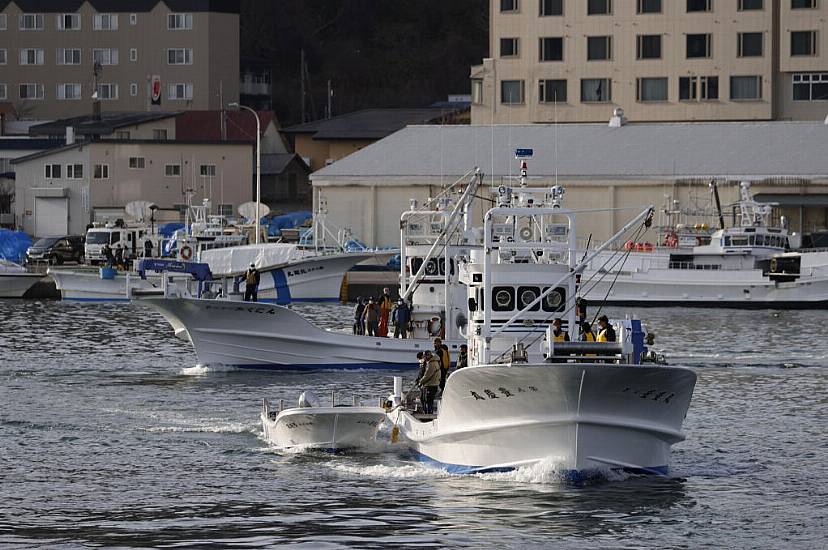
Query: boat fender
x,y
186,252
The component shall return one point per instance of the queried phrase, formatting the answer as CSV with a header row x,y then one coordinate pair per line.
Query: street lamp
x,y
258,162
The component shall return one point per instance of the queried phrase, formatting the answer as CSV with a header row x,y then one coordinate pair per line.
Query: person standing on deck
x,y
359,311
462,357
429,382
402,316
605,331
558,333
385,305
586,333
251,284
442,353
371,317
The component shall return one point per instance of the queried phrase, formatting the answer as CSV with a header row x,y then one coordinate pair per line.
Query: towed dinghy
x,y
310,426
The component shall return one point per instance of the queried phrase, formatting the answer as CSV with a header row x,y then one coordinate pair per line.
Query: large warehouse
x,y
627,166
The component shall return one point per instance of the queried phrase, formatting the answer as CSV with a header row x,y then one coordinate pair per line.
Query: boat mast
x,y
715,188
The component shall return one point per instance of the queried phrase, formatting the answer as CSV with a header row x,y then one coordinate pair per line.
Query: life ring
x,y
186,252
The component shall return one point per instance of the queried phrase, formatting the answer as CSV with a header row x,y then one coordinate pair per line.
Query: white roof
x,y
636,150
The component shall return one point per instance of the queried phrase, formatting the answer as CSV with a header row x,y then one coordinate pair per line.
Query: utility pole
x,y
302,80
329,112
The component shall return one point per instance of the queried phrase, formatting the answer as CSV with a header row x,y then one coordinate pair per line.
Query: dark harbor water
x,y
109,437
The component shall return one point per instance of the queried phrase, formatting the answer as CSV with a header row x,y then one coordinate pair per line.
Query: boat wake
x,y
201,370
551,471
219,428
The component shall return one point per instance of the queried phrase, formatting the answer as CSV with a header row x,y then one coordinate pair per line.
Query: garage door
x,y
51,216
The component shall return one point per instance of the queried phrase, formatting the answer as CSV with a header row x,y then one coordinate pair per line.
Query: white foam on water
x,y
201,370
220,428
402,471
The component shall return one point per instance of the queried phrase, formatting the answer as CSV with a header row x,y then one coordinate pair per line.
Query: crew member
x,y
605,331
385,305
559,334
402,316
442,354
429,381
251,284
371,317
359,311
106,252
462,357
586,333
119,256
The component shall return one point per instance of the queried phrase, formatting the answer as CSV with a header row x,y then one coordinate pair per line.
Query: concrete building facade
x,y
660,60
55,55
58,191
628,168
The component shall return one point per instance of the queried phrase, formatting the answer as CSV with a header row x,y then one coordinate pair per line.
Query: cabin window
x,y
752,240
727,241
503,298
555,300
740,241
527,295
760,240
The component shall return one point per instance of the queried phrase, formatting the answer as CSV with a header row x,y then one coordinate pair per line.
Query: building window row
x,y
655,89
105,91
110,56
810,87
604,7
100,21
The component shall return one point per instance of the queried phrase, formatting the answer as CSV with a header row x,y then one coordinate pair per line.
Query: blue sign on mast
x,y
522,153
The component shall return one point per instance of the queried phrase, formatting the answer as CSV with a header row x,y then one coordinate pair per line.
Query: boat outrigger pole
x,y
715,188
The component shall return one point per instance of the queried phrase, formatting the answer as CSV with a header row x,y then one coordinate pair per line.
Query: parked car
x,y
56,250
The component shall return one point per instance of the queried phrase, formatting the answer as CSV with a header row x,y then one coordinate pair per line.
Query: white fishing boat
x,y
749,265
15,280
311,426
269,336
528,397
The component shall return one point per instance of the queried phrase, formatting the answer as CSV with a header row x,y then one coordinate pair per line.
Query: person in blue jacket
x,y
402,316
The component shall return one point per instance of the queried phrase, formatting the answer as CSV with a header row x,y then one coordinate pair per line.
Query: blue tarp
x,y
13,245
275,224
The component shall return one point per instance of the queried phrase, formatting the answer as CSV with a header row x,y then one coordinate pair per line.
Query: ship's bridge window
x,y
760,240
503,298
727,241
740,241
555,300
752,240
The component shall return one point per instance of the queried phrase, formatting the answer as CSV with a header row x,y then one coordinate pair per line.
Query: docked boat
x,y
15,280
749,265
528,395
311,426
270,336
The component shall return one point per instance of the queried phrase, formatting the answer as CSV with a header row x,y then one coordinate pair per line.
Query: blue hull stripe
x,y
568,475
280,284
317,366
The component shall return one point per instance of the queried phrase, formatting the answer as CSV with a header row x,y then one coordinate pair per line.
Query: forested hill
x,y
377,53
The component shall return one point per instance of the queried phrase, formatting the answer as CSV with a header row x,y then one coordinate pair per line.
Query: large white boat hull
x,y
323,428
15,285
270,336
581,416
315,279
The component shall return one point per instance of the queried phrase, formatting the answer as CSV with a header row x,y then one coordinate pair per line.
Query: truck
x,y
134,238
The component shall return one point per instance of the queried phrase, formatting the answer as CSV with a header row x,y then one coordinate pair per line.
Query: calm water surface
x,y
110,437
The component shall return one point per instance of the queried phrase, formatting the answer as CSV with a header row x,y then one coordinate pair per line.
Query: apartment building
x,y
135,55
660,60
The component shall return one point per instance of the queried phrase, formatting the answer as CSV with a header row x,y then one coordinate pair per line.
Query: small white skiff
x,y
309,426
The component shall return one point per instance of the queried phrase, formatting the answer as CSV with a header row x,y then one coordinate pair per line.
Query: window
x,y
649,46
511,92
803,4
180,21
750,44
136,163
596,90
803,42
133,54
184,56
651,89
745,87
508,5
31,56
3,22
207,170
68,91
551,7
745,5
649,6
159,133
599,48
3,57
810,87
52,171
31,22
133,89
699,45
31,91
105,56
599,7
67,22
180,91
101,172
107,90
74,171
508,47
551,48
68,56
477,91
4,93
133,18
699,5
552,91
172,170
122,134
692,88
105,22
